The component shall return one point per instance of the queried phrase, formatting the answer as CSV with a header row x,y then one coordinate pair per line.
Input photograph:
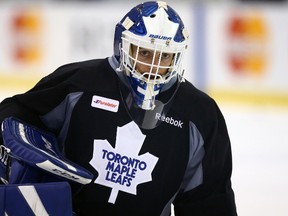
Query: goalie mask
x,y
149,44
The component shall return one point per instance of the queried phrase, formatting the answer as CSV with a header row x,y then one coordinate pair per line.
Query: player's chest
x,y
103,136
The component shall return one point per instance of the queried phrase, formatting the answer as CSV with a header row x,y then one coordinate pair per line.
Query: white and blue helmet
x,y
155,26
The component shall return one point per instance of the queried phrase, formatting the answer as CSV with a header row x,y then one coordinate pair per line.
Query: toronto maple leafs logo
x,y
122,169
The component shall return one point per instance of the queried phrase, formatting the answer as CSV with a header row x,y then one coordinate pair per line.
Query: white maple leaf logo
x,y
122,169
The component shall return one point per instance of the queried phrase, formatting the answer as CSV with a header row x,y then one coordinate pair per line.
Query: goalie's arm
x,y
11,107
38,101
42,98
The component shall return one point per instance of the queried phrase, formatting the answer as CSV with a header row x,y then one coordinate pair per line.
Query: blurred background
x,y
238,54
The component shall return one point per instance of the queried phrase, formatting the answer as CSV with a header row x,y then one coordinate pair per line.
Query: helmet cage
x,y
151,82
152,76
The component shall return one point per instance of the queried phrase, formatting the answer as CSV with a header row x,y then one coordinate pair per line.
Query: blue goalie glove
x,y
27,151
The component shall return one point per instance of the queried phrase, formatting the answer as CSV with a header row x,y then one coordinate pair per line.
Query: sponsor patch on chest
x,y
105,103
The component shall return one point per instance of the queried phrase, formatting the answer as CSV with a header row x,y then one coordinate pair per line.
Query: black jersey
x,y
186,160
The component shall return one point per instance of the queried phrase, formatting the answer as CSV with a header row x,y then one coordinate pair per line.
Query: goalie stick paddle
x,y
39,149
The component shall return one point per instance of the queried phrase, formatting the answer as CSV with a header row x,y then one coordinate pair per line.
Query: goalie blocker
x,y
31,155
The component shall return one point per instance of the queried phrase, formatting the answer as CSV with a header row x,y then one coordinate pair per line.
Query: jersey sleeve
x,y
214,196
45,95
